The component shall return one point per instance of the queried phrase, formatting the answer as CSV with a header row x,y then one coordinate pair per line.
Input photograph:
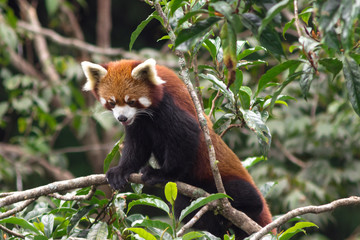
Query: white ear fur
x,y
94,73
147,69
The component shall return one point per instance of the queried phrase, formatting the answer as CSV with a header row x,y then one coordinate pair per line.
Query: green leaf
x,y
3,109
154,224
223,122
75,219
22,104
114,152
22,223
200,202
239,46
287,26
332,65
350,15
276,96
39,225
195,30
306,79
269,38
273,72
141,26
171,192
272,12
352,76
249,51
192,235
306,14
142,233
289,233
175,4
330,13
98,232
267,187
245,94
255,123
153,202
221,85
210,46
40,237
48,221
8,35
52,6
251,161
229,44
190,14
238,82
224,8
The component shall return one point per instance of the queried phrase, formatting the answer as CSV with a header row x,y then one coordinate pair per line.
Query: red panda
x,y
159,118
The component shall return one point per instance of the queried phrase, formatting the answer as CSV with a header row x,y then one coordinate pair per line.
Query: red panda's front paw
x,y
116,179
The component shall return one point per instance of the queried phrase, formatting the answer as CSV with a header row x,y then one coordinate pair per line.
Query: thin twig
x,y
5,229
354,200
17,209
213,103
230,127
75,197
289,155
193,220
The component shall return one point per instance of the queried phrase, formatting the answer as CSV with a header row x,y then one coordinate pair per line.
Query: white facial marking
x,y
103,101
125,111
126,98
113,98
145,101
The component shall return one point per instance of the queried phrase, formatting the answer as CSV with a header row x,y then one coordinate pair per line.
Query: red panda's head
x,y
125,87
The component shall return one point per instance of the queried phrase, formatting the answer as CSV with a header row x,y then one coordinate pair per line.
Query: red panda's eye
x,y
131,102
112,103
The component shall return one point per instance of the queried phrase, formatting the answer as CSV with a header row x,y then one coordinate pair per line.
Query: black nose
x,y
122,118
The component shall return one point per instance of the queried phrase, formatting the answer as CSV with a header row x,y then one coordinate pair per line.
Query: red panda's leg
x,y
135,154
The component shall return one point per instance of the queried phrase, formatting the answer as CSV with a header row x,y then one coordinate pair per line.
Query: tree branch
x,y
40,43
73,42
81,182
354,200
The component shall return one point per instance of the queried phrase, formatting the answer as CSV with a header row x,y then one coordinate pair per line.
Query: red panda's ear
x,y
94,73
147,71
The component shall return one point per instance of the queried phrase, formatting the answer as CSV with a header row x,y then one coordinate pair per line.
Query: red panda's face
x,y
125,87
